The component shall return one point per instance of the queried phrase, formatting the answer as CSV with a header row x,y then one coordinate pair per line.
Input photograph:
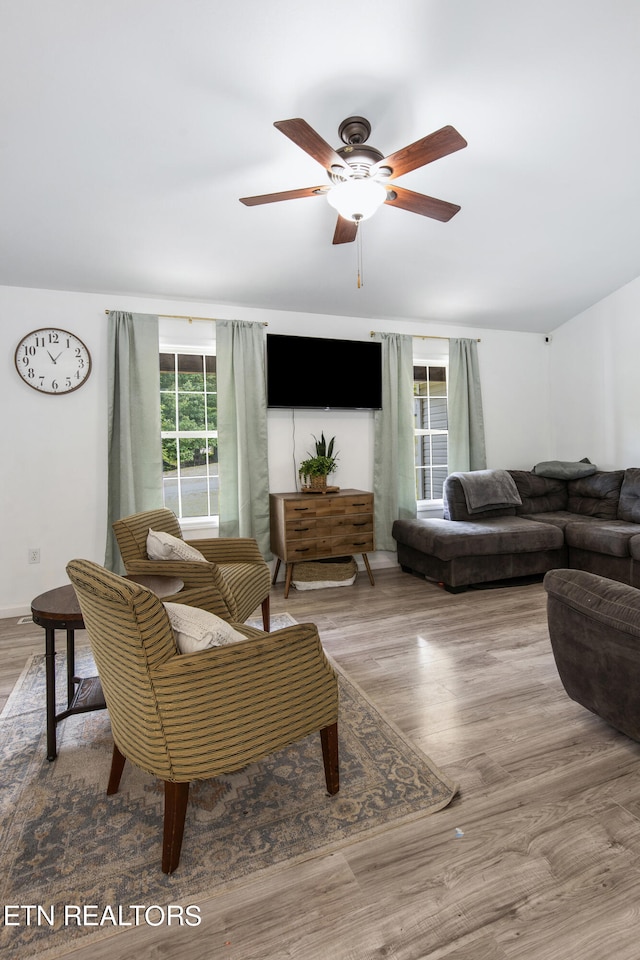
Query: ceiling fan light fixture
x,y
357,199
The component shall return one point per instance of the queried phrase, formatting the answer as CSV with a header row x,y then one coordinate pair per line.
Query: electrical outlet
x,y
34,554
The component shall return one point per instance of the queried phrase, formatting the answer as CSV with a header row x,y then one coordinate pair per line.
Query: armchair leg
x,y
176,796
117,766
266,613
329,739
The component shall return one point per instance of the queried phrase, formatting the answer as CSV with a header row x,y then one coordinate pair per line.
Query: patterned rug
x,y
66,848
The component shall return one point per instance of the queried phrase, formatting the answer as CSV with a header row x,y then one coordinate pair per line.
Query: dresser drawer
x,y
307,528
308,506
362,503
344,506
349,544
361,523
310,549
326,505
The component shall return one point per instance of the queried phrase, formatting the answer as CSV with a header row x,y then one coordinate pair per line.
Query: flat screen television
x,y
324,374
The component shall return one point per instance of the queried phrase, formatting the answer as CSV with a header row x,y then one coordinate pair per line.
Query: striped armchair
x,y
184,717
233,582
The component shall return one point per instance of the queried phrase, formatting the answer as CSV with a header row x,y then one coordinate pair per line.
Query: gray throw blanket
x,y
484,489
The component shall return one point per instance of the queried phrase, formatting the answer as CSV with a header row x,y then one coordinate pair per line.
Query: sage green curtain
x,y
242,432
134,466
394,482
466,419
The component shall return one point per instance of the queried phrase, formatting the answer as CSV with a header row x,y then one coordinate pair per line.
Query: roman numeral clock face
x,y
53,360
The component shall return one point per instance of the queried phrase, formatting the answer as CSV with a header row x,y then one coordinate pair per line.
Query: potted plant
x,y
315,469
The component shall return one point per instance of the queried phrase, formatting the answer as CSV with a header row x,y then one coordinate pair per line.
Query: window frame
x,y
431,359
198,350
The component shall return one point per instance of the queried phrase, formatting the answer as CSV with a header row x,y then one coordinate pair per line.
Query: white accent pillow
x,y
197,629
164,546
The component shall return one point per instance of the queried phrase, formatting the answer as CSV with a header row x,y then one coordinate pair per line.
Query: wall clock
x,y
52,360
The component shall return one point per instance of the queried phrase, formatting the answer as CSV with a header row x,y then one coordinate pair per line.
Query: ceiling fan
x,y
360,175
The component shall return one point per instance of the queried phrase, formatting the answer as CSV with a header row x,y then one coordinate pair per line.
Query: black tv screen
x,y
321,373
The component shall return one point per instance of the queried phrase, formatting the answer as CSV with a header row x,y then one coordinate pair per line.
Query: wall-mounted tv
x,y
321,373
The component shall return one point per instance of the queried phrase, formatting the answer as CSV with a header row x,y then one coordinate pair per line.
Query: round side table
x,y
59,610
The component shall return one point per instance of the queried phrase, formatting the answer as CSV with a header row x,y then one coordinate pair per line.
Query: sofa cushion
x,y
539,494
602,536
560,518
447,540
597,495
629,505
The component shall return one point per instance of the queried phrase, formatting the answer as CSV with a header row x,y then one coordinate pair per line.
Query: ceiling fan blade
x,y
346,230
432,147
284,195
419,203
311,142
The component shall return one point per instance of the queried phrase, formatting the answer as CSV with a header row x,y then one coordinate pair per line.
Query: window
x,y
188,411
431,429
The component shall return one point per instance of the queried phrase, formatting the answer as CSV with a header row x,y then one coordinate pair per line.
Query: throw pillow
x,y
164,546
565,469
196,629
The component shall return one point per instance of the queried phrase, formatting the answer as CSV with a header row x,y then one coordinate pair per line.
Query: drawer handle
x,y
300,509
361,523
302,550
360,504
301,529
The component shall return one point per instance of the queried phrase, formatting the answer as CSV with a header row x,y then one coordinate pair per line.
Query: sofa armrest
x,y
229,549
607,602
244,700
193,573
455,504
594,626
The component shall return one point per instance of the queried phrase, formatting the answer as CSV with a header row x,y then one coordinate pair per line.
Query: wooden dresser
x,y
316,526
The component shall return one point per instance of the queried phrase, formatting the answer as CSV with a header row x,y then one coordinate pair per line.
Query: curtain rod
x,y
425,336
182,316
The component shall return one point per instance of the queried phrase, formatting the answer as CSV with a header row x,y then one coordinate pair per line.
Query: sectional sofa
x,y
530,522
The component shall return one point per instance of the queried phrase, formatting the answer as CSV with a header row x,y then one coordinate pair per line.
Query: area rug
x,y
76,864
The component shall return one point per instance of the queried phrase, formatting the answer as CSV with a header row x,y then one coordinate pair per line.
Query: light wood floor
x,y
548,867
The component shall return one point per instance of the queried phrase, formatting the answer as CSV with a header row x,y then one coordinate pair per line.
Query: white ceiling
x,y
130,128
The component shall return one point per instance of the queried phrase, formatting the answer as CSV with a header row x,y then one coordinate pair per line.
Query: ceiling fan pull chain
x,y
359,254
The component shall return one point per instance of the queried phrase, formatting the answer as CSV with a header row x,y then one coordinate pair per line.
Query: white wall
x,y
595,383
53,486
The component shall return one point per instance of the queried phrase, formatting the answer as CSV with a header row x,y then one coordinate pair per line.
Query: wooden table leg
x,y
277,570
366,563
287,580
